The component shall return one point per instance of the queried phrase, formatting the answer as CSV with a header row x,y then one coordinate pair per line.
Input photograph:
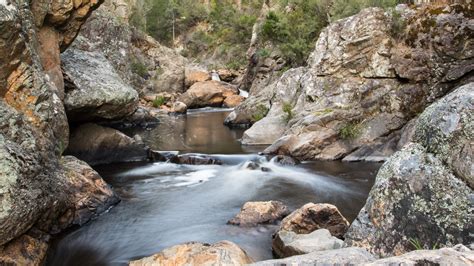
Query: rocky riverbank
x,y
394,86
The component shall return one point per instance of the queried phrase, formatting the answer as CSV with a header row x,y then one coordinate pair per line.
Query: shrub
x,y
349,131
263,53
139,68
159,101
260,112
397,24
287,109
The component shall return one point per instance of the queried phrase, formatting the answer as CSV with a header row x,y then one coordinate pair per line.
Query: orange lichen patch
x,y
18,94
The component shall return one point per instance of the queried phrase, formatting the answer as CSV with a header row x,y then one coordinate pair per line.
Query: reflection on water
x,y
202,132
165,204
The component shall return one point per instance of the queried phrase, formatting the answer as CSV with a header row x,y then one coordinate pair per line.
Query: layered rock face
x,y
424,192
35,184
369,75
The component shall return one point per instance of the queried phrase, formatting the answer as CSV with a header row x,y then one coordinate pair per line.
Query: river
x,y
165,204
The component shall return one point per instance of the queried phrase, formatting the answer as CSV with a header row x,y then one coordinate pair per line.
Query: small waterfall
x,y
215,76
243,93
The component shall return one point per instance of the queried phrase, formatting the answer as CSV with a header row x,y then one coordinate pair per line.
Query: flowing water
x,y
165,204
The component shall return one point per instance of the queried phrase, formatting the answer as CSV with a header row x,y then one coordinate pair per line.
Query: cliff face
x,y
35,184
369,75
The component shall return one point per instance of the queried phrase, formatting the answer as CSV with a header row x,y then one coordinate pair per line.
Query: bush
x,y
349,131
260,112
287,109
159,101
139,68
397,24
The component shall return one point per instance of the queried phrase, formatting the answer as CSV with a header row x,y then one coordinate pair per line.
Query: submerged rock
x,y
312,217
260,212
285,160
286,244
207,94
221,253
101,145
420,193
94,90
195,159
343,256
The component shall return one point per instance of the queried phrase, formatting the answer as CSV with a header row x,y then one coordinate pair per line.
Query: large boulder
x,y
260,212
102,145
343,256
286,244
221,253
420,194
364,82
208,94
94,91
312,217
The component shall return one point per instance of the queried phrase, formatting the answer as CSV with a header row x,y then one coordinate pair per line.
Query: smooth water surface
x,y
165,204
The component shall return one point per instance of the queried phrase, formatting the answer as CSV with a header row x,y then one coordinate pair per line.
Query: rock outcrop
x,y
365,81
424,192
260,212
312,217
35,185
221,253
286,244
102,145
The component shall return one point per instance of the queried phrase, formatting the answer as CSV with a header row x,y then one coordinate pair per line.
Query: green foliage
x,y
349,131
223,28
295,33
287,109
139,68
159,101
260,112
417,245
323,112
236,64
263,53
397,24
